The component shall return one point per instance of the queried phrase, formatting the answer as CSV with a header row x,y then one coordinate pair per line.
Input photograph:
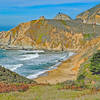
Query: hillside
x,y
77,78
11,81
69,69
60,33
48,34
91,16
8,76
61,16
56,34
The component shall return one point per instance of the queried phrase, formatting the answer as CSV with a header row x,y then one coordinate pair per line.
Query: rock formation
x,y
61,16
60,33
91,16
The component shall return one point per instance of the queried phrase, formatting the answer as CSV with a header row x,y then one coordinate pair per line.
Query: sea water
x,y
31,64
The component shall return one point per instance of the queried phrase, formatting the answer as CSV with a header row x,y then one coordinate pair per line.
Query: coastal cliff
x,y
48,34
60,33
91,16
69,69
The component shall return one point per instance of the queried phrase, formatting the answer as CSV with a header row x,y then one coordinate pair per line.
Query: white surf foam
x,y
42,72
70,54
52,67
37,74
34,51
29,56
63,58
16,66
13,67
55,66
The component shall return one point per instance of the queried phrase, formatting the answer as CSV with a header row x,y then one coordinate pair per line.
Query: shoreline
x,y
54,76
5,47
50,67
45,72
68,70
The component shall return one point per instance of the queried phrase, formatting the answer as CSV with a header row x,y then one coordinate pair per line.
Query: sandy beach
x,y
68,70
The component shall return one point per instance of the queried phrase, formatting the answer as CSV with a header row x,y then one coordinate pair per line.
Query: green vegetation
x,y
50,92
95,63
84,88
8,76
33,21
89,72
88,36
41,22
63,22
53,92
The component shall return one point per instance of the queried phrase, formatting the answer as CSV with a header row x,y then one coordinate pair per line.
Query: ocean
x,y
31,64
6,28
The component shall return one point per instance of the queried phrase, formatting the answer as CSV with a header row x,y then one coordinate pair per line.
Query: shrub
x,y
88,36
95,63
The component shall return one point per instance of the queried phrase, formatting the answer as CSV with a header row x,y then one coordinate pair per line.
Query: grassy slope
x,y
8,76
89,79
56,92
50,93
43,93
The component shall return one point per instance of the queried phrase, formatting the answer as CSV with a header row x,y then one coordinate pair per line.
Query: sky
x,y
14,12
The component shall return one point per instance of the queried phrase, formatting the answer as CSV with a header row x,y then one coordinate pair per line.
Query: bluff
x,y
42,34
91,16
48,34
60,33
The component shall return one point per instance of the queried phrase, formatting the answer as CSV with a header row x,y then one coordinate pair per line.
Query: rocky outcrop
x,y
47,34
60,33
61,16
91,16
42,34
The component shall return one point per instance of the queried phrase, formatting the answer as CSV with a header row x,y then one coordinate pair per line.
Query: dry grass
x,y
49,93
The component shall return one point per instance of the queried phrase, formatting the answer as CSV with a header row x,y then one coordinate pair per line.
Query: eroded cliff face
x,y
61,33
42,34
91,16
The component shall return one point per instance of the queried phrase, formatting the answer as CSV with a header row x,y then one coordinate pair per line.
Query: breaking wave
x,y
13,67
37,74
16,66
30,56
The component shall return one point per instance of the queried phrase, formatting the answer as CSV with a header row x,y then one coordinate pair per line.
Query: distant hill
x,y
91,16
